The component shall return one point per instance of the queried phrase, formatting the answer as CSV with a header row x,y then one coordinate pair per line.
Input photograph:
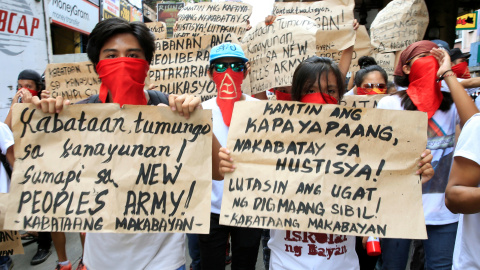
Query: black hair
x,y
29,74
312,69
362,73
366,61
407,103
104,30
402,81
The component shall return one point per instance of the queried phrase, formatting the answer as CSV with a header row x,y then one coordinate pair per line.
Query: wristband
x,y
442,77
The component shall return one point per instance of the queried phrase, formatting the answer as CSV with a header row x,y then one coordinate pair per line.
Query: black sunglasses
x,y
374,85
222,67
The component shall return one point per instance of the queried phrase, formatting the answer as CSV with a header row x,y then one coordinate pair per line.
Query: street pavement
x,y
74,253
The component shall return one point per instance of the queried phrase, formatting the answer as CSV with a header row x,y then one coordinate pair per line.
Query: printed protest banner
x,y
361,101
73,81
276,50
335,23
167,12
387,62
10,242
180,65
159,29
399,24
362,47
325,168
99,168
213,18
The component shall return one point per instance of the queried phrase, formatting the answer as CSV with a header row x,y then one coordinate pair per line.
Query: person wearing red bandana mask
x,y
228,68
421,67
316,80
371,80
460,63
121,52
29,84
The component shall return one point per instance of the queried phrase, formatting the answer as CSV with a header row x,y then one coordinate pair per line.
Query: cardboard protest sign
x,y
325,168
159,29
361,101
335,23
99,168
387,62
10,242
73,81
276,50
362,47
213,18
180,65
399,24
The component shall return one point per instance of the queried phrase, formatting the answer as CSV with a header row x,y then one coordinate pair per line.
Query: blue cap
x,y
442,44
227,49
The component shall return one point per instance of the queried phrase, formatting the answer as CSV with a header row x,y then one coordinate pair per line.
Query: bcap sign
x,y
467,21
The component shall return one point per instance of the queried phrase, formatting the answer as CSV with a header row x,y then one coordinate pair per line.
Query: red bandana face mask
x,y
462,70
125,78
423,90
319,98
371,91
33,92
229,91
283,96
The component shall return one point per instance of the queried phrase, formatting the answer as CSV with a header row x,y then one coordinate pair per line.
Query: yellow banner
x,y
467,21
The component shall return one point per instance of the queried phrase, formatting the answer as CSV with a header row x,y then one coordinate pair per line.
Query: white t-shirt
x,y
306,250
221,132
349,93
467,245
6,140
470,91
164,251
441,141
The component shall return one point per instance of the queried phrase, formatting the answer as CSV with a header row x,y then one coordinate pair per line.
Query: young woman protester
x,y
421,67
371,80
316,80
363,62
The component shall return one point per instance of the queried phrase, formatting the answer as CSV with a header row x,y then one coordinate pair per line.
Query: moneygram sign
x,y
79,15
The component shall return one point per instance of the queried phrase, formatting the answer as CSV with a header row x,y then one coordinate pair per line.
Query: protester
x,y
316,80
463,196
121,53
228,70
460,63
460,67
363,62
30,84
371,80
419,67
